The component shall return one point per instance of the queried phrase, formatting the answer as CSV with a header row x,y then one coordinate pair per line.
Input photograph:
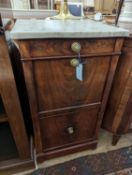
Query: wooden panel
x,y
57,86
28,72
120,113
15,166
105,6
58,98
3,118
117,117
59,47
55,129
5,3
127,43
126,120
11,102
121,90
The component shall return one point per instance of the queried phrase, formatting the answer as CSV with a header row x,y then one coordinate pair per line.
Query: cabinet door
x,y
57,87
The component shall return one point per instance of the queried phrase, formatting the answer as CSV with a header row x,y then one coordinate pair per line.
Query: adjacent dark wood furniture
x,y
66,112
14,142
118,115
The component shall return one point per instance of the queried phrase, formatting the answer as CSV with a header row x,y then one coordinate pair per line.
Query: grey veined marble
x,y
84,28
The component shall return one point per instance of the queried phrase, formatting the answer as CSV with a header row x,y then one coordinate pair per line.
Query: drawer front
x,y
57,87
71,128
58,47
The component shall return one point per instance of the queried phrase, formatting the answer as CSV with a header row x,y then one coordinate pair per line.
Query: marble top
x,y
48,28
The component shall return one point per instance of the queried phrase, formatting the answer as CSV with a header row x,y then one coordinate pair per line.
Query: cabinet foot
x,y
115,139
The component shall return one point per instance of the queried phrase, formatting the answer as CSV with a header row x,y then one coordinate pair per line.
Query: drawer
x,y
59,47
57,87
69,128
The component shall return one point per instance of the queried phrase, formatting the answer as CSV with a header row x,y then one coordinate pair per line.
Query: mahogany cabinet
x,y
66,112
118,114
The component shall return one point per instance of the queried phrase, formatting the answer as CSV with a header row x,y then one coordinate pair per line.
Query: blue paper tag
x,y
79,72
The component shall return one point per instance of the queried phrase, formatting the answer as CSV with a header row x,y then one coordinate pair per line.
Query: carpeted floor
x,y
118,162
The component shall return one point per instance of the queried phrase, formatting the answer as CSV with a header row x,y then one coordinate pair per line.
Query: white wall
x,y
89,2
125,19
20,4
24,4
86,2
127,10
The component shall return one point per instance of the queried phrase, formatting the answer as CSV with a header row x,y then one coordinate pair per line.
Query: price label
x,y
79,72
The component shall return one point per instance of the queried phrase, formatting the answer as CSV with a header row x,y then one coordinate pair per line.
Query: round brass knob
x,y
70,130
76,47
74,62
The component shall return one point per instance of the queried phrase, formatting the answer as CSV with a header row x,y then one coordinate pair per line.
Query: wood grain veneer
x,y
11,102
62,47
118,115
58,101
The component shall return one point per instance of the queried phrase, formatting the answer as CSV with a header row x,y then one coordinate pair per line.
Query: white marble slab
x,y
84,28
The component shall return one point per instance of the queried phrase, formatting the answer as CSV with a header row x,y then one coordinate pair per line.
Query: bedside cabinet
x,y
67,112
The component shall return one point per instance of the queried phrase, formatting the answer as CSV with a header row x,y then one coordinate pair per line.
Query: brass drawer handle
x,y
74,62
76,47
70,130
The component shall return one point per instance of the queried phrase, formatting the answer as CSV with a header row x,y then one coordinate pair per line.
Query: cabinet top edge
x,y
84,28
